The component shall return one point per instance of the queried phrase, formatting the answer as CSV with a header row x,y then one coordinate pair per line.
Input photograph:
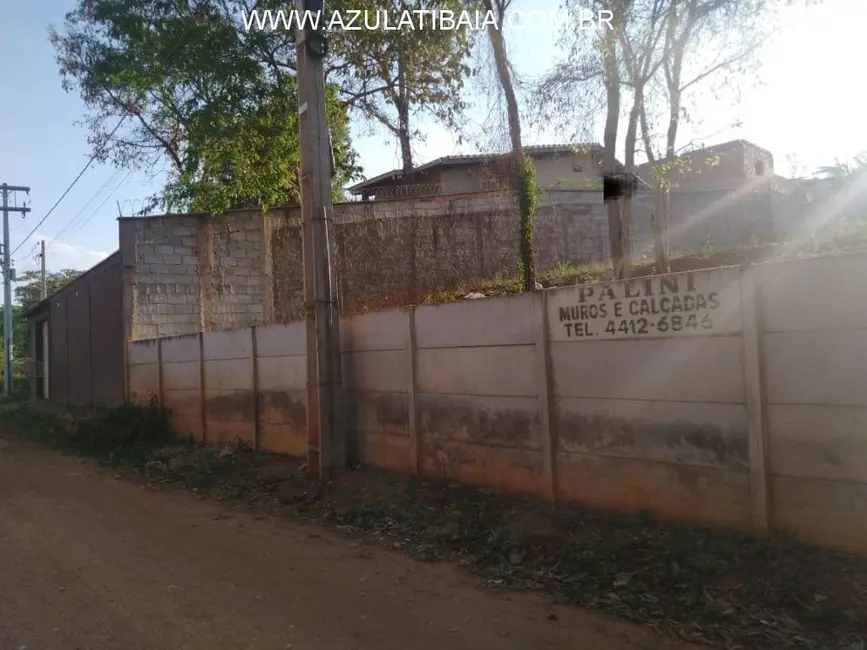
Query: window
x,y
760,168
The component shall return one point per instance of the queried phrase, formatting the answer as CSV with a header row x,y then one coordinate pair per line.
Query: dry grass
x,y
841,238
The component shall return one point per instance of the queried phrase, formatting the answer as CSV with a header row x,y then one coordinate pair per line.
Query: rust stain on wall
x,y
283,407
681,492
500,467
470,419
377,412
678,440
384,450
236,406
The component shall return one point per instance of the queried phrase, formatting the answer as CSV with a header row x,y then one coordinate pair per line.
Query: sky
x,y
807,107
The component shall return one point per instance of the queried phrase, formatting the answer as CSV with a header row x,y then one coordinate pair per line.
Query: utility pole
x,y
326,430
42,260
8,273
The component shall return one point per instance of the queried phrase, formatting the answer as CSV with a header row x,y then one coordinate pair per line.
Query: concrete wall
x,y
86,345
814,320
729,397
649,396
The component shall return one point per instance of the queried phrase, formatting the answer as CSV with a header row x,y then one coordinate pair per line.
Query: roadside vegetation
x,y
714,587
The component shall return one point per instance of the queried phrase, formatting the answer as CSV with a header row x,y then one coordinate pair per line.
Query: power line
x,y
81,213
83,223
71,185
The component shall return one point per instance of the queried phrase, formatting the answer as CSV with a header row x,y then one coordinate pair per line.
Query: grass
x,y
845,237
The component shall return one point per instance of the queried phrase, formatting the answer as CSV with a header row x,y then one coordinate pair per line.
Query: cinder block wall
x,y
191,273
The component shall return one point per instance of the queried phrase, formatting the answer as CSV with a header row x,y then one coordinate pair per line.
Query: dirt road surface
x,y
90,562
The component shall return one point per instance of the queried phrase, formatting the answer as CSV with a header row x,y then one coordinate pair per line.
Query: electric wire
x,y
71,185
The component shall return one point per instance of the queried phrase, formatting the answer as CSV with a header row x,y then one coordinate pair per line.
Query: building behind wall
x,y
184,274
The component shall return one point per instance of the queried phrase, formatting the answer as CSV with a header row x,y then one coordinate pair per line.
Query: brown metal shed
x,y
77,339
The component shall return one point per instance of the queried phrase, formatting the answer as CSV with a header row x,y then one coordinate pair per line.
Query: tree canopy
x,y
212,103
29,289
192,87
391,77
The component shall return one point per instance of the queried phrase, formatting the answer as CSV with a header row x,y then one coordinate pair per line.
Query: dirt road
x,y
89,562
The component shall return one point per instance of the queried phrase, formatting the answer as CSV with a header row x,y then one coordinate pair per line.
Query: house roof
x,y
45,302
536,151
643,169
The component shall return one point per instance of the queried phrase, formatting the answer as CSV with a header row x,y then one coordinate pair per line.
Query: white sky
x,y
809,103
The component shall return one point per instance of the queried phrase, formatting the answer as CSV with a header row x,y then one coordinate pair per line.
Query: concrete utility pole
x,y
326,430
42,260
8,277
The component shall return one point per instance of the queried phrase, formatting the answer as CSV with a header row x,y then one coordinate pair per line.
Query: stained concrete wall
x,y
649,396
730,397
477,401
814,319
281,371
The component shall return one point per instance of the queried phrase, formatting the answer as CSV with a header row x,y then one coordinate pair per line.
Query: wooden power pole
x,y
326,430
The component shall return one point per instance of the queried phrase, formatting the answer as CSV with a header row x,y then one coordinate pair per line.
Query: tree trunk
x,y
673,67
613,207
659,226
505,77
629,163
517,164
402,106
405,150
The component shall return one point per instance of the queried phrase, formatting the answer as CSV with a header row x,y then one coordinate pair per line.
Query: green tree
x,y
195,89
20,341
29,289
668,56
521,175
391,76
209,88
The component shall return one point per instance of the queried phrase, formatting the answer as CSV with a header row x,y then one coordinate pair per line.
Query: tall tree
x,y
393,76
738,29
619,230
639,38
668,51
193,88
521,171
29,289
208,87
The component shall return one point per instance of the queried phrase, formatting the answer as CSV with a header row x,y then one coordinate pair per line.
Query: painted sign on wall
x,y
695,303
